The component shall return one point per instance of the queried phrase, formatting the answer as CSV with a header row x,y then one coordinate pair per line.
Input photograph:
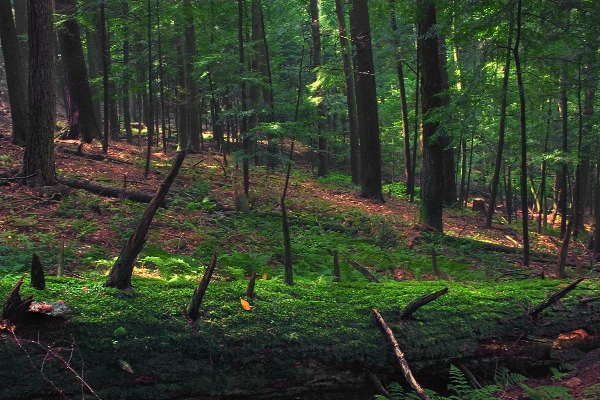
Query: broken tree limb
x,y
109,191
588,300
364,271
554,298
193,310
15,307
250,288
414,305
120,274
400,356
562,255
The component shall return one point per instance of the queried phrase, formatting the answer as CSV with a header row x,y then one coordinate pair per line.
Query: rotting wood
x,y
364,271
91,156
250,288
414,305
400,356
15,307
38,281
110,191
193,311
554,298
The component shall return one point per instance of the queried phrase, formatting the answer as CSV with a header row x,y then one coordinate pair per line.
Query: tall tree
x,y
323,168
410,176
82,121
523,121
350,93
501,131
366,102
192,82
432,184
15,79
38,159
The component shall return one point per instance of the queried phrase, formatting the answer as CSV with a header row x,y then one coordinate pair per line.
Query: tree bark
x,y
432,184
323,165
501,130
350,93
193,116
366,101
38,159
523,120
15,79
409,173
120,274
76,76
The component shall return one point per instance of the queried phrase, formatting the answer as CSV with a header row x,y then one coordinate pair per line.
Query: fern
x,y
504,377
460,384
548,392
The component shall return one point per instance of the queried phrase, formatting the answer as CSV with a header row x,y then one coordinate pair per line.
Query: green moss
x,y
331,324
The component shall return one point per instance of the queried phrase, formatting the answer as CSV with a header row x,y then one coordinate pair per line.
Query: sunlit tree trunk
x,y
523,120
432,184
243,100
563,188
350,93
38,159
323,168
501,130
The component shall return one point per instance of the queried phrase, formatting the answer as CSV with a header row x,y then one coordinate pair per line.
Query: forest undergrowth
x,y
326,215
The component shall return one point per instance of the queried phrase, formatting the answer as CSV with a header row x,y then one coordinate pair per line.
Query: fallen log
x,y
306,341
554,298
92,156
193,310
109,191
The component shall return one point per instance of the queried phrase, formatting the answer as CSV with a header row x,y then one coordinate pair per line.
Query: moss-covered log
x,y
302,340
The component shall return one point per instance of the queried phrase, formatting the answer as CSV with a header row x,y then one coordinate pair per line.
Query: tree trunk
x,y
183,140
192,84
350,93
21,29
502,128
409,173
38,159
150,108
432,184
94,57
563,188
120,274
243,100
449,191
15,78
105,64
323,167
76,76
366,102
523,139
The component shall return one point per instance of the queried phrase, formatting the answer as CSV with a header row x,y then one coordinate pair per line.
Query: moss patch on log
x,y
308,336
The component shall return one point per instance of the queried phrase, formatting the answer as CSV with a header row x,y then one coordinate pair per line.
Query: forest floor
x,y
94,228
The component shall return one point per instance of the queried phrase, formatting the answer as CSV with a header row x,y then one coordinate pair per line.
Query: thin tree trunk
x,y
150,118
105,63
192,83
323,167
502,129
243,100
409,173
563,189
350,93
523,138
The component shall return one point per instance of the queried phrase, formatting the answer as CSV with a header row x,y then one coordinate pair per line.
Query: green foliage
x,y
548,392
